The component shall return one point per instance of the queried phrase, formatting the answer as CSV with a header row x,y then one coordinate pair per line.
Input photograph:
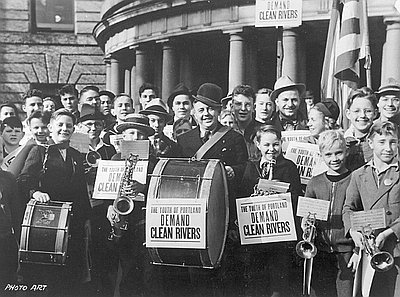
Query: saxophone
x,y
124,203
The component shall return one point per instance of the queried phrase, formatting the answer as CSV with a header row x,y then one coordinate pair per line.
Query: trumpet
x,y
381,261
306,248
93,158
123,205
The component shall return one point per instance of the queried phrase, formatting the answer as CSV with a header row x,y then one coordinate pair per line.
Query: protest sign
x,y
176,223
319,207
80,142
278,13
264,219
138,147
307,158
115,141
109,176
374,218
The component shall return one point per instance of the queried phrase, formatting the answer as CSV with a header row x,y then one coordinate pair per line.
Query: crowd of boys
x,y
244,131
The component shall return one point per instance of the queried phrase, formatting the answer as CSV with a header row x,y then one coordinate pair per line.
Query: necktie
x,y
206,136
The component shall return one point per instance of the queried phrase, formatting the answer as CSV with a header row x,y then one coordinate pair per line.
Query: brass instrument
x,y
123,205
306,248
93,158
381,261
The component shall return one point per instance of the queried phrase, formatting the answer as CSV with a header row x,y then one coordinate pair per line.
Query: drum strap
x,y
210,143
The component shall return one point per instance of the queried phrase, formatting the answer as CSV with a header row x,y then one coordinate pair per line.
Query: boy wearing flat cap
x,y
287,96
91,123
158,116
389,101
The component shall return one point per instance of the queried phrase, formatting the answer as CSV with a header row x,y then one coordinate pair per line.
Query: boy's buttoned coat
x,y
364,194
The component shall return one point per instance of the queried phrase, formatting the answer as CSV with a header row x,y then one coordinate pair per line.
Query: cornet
x,y
306,248
381,261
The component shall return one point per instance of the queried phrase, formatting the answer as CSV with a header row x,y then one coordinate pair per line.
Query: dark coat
x,y
230,149
63,181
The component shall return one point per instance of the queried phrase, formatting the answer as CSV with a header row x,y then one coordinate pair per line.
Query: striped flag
x,y
344,47
350,45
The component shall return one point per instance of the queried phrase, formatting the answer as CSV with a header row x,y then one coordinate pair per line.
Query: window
x,y
52,15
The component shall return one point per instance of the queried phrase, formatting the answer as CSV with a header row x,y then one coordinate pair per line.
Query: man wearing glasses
x,y
90,95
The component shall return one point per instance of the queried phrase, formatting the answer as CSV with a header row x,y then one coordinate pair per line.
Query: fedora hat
x,y
285,83
180,89
225,100
209,94
89,112
137,121
157,107
390,85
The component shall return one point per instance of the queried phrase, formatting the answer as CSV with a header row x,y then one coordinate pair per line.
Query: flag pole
x,y
368,60
279,52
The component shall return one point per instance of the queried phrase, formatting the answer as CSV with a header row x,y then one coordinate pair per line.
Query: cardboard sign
x,y
109,176
307,158
11,157
270,187
375,218
138,147
278,13
264,219
318,207
80,142
115,141
168,131
176,223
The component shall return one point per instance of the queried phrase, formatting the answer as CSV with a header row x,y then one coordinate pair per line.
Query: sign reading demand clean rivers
x,y
286,13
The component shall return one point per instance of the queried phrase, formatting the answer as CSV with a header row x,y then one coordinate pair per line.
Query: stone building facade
x,y
48,43
193,41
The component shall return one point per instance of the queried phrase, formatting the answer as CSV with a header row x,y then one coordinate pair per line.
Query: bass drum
x,y
44,233
188,179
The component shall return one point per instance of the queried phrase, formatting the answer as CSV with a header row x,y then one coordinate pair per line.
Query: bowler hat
x,y
329,108
137,121
157,107
391,85
285,83
209,94
180,89
89,112
107,93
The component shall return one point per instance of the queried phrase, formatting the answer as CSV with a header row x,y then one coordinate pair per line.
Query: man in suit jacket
x,y
376,185
230,149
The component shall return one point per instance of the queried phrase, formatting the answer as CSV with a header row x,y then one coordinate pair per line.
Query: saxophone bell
x,y
123,205
306,248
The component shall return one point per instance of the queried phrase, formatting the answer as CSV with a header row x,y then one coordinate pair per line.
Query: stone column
x,y
107,61
292,56
141,73
236,59
127,80
115,76
186,69
170,68
391,53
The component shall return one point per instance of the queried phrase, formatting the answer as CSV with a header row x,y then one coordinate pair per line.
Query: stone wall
x,y
28,58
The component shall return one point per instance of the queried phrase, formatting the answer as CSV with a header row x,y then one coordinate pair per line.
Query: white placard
x,y
374,218
264,219
176,223
109,176
115,141
278,13
80,142
307,158
168,131
319,207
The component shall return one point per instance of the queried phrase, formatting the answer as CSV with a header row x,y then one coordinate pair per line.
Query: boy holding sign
x,y
274,258
376,185
331,273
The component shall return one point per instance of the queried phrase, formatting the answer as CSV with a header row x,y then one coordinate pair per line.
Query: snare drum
x,y
44,233
205,179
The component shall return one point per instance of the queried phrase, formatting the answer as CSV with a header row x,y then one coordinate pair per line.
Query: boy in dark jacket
x,y
331,276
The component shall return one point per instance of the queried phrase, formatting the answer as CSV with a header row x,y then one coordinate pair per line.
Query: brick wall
x,y
47,58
